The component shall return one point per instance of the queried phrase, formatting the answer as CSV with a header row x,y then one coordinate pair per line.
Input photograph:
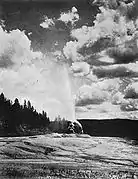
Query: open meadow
x,y
68,156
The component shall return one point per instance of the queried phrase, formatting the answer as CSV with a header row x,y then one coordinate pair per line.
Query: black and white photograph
x,y
68,89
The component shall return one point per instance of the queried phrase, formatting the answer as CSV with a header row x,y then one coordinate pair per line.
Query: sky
x,y
77,61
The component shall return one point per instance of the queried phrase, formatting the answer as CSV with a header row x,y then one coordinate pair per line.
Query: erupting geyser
x,y
60,91
34,76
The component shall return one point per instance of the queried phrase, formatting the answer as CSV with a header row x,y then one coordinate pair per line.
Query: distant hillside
x,y
111,127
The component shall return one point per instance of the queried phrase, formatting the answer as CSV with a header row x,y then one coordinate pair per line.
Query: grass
x,y
59,172
71,156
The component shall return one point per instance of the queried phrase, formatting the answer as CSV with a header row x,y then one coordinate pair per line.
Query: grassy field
x,y
68,156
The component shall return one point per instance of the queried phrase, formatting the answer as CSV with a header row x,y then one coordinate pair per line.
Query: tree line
x,y
16,118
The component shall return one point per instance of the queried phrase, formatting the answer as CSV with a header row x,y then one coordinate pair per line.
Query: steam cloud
x,y
26,74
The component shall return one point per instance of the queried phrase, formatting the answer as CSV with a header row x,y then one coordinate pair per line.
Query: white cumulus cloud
x,y
80,68
70,16
90,95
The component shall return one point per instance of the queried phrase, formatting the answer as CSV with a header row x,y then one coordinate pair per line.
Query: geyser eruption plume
x,y
61,91
70,105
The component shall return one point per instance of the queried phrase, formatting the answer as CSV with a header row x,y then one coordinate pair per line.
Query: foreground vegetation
x,y
68,156
53,172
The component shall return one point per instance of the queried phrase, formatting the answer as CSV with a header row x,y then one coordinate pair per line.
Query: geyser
x,y
60,91
41,78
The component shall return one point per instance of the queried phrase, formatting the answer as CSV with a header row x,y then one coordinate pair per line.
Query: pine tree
x,y
16,103
2,97
29,105
25,105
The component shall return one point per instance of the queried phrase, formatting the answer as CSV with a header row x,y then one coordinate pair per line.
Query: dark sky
x,y
28,16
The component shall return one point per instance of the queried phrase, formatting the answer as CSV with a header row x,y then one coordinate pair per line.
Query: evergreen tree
x,y
29,105
25,105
